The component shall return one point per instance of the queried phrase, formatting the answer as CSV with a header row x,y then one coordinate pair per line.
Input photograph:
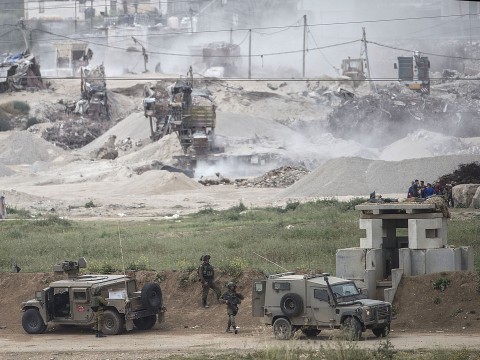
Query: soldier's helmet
x,y
205,257
231,285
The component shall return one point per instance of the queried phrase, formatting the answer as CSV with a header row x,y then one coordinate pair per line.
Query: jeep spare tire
x,y
291,304
151,296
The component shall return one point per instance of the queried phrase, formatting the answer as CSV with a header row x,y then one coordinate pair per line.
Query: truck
x,y
312,302
68,302
413,72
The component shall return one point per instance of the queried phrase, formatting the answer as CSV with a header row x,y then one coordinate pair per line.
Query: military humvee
x,y
311,303
68,302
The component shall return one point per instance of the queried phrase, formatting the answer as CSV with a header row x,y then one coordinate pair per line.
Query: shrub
x,y
139,264
21,106
30,122
234,267
53,220
441,284
5,125
90,204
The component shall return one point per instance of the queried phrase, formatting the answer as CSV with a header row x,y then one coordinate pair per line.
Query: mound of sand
x,y
423,143
135,126
359,177
159,182
5,171
23,147
162,150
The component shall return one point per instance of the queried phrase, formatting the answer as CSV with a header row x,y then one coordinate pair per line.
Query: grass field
x,y
296,237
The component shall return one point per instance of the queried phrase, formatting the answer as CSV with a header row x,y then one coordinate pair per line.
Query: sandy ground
x,y
155,344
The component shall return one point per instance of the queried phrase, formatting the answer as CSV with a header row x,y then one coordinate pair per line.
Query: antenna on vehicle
x,y
123,262
270,261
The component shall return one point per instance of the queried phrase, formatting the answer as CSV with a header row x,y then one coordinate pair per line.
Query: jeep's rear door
x,y
319,300
258,297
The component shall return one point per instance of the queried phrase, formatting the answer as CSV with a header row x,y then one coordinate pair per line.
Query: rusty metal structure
x,y
94,91
186,111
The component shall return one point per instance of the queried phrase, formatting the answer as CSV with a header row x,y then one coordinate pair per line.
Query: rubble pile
x,y
277,178
465,174
20,72
393,112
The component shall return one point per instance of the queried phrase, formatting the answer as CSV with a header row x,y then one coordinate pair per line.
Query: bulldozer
x,y
189,112
354,69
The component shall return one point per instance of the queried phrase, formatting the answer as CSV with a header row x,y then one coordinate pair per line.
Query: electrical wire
x,y
423,52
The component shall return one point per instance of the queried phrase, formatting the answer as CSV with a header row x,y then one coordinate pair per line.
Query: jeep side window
x,y
80,295
320,294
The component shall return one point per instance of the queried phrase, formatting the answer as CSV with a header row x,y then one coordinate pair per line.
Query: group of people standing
x,y
418,189
231,297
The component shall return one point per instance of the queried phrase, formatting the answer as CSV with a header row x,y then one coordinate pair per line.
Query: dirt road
x,y
154,344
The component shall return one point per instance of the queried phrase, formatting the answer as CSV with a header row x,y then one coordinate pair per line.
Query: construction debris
x,y
19,72
277,178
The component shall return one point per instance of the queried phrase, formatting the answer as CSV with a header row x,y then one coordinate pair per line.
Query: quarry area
x,y
300,135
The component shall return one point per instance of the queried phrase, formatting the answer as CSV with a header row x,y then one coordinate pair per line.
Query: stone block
x,y
426,233
374,233
439,260
371,283
467,258
417,258
350,263
375,261
405,261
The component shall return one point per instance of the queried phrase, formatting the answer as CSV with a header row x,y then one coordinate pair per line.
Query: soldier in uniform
x,y
205,276
98,304
232,299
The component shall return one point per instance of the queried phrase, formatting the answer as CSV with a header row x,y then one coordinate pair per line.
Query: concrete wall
x,y
420,233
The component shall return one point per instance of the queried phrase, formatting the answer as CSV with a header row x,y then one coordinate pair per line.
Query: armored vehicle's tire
x,y
145,323
282,329
352,328
32,322
310,332
291,304
381,332
112,322
151,296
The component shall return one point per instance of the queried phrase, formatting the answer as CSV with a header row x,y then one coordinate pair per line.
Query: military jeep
x,y
68,302
311,303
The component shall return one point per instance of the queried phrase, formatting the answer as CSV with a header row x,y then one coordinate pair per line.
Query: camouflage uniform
x,y
205,276
97,307
232,299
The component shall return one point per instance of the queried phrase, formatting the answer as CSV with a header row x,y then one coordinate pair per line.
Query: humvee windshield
x,y
346,289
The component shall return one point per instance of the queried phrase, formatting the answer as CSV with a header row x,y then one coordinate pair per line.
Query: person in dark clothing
x,y
206,278
416,189
429,191
232,299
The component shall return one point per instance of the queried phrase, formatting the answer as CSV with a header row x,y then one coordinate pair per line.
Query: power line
x,y
423,52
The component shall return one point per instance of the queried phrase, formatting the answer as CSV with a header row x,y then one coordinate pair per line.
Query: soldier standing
x,y
98,304
232,299
205,276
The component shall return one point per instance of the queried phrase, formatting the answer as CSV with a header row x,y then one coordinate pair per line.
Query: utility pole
x,y
91,14
304,43
373,86
231,36
75,16
23,29
106,11
250,54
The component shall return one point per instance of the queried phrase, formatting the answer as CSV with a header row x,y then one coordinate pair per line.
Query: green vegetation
x,y
296,237
339,351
